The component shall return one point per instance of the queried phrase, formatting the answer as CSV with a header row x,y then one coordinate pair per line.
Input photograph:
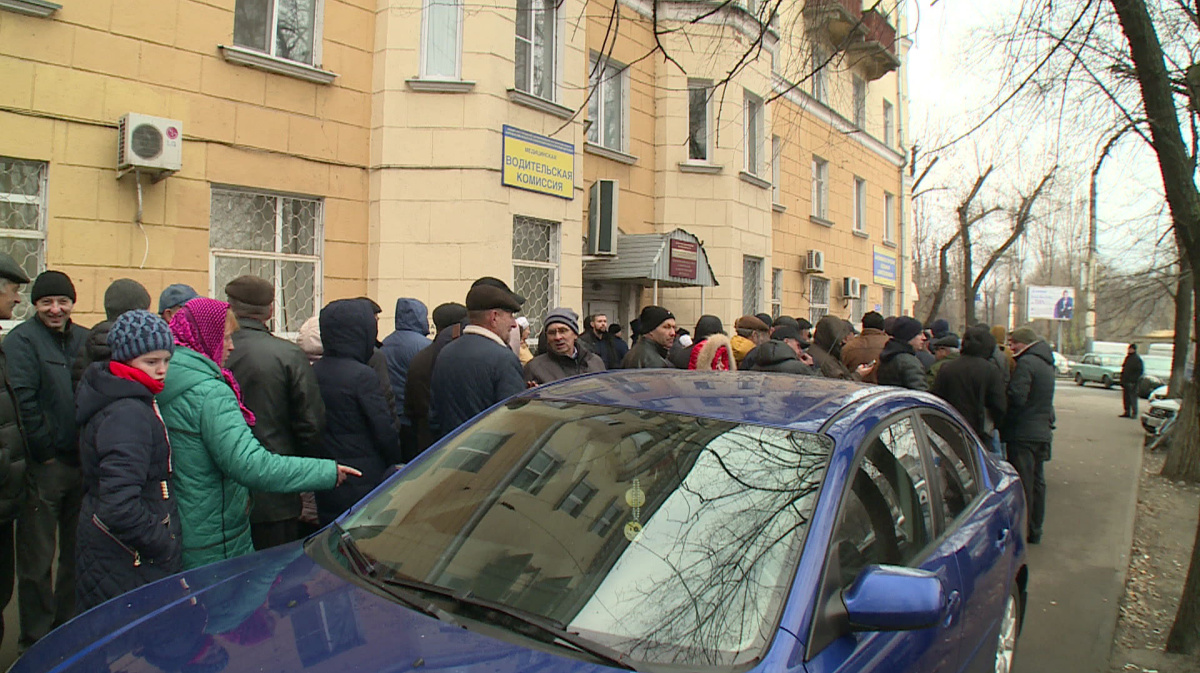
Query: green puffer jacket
x,y
217,461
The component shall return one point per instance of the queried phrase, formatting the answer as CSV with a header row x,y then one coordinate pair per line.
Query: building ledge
x,y
422,85
540,104
778,207
888,244
700,167
609,153
39,8
817,219
861,234
274,64
754,180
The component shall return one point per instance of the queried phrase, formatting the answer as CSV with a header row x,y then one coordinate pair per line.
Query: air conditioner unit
x,y
150,144
815,262
602,217
850,287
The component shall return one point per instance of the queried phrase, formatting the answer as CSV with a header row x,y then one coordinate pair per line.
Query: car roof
x,y
802,403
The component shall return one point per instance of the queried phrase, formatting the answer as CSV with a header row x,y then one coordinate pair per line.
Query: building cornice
x,y
709,12
816,108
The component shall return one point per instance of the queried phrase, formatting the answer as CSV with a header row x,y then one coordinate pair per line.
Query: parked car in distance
x,y
639,520
1062,364
1156,373
1102,368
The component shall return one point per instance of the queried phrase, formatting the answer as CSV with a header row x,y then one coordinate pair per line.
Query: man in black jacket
x,y
1027,431
124,294
898,363
40,352
598,340
448,319
1131,375
973,385
565,353
279,386
657,326
783,353
12,444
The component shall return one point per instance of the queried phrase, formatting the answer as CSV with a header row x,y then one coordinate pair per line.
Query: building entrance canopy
x,y
675,259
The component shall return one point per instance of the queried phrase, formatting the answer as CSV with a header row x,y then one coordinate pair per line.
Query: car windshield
x,y
1157,364
670,539
1112,360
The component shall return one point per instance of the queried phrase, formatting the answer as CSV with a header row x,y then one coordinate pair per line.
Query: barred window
x,y
751,284
272,236
23,220
535,267
818,298
776,293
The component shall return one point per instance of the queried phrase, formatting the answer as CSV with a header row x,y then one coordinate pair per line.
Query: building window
x,y
608,104
860,204
889,218
751,284
819,80
537,29
776,169
888,301
23,220
576,500
859,305
860,102
818,298
287,29
776,293
752,133
272,236
820,188
441,39
537,472
889,122
699,111
535,267
604,523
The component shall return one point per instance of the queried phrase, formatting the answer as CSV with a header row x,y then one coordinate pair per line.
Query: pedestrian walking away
x,y
972,384
40,353
449,320
565,354
279,387
12,443
410,337
1028,424
1131,376
129,531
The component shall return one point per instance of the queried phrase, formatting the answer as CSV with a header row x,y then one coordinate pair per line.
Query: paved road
x,y
1077,574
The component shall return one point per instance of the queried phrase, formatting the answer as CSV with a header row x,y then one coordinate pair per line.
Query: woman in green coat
x,y
217,459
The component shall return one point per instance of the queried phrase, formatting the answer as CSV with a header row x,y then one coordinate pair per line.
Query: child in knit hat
x,y
129,531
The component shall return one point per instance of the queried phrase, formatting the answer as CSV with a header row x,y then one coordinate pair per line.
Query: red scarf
x,y
124,371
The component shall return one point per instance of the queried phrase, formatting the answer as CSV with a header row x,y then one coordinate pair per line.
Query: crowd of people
x,y
160,441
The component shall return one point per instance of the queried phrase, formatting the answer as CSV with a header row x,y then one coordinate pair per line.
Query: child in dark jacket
x,y
129,531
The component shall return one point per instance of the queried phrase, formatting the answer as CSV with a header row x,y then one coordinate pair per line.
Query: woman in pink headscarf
x,y
217,460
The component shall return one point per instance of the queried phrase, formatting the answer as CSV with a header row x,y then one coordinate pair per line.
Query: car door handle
x,y
951,609
1002,539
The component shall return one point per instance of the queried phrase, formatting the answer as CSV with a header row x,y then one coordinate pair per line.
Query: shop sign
x,y
883,267
682,260
538,164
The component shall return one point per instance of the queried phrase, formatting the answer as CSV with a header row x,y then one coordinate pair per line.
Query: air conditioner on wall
x,y
815,262
602,217
850,287
149,144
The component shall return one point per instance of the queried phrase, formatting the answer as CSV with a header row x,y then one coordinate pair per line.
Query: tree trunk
x,y
1185,633
1183,325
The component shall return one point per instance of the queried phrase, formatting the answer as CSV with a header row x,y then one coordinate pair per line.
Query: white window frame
x,y
555,50
318,35
860,304
889,122
38,234
887,301
820,80
752,132
750,308
860,101
889,217
817,309
860,205
776,293
317,258
705,86
554,265
776,169
600,65
820,188
426,45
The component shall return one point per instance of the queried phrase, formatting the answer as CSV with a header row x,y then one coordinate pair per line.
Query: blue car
x,y
662,522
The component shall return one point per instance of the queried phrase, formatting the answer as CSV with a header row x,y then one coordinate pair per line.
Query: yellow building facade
x,y
406,147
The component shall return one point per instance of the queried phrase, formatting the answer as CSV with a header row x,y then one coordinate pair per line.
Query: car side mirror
x,y
893,598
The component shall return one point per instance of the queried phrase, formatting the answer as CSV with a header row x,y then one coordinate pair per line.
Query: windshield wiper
x,y
364,567
604,653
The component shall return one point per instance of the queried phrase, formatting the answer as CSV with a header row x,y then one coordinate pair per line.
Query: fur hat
x,y
138,332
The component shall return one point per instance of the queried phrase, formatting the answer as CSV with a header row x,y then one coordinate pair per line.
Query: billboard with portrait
x,y
1050,302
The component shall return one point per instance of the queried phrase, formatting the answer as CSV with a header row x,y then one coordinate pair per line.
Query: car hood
x,y
1171,404
274,611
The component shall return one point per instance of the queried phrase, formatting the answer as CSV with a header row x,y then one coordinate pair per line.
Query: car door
x,y
978,532
886,517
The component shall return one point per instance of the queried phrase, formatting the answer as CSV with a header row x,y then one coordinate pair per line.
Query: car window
x,y
1089,360
953,463
886,517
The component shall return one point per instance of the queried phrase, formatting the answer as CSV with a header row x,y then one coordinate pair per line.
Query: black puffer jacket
x,y
776,356
12,451
359,429
1031,397
972,384
39,369
899,366
95,349
129,532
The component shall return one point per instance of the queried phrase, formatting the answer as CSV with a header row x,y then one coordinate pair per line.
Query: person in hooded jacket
x,y
124,294
399,348
712,350
972,384
784,353
828,337
898,363
565,354
358,430
1029,422
129,532
217,459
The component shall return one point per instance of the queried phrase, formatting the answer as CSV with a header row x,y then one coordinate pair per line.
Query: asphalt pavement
x,y
1077,573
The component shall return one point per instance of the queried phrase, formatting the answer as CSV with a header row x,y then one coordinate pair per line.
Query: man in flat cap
x,y
658,334
279,386
479,368
12,444
1028,428
945,349
565,353
749,333
40,352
